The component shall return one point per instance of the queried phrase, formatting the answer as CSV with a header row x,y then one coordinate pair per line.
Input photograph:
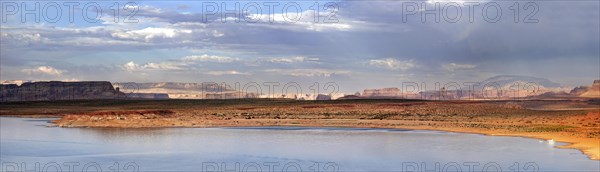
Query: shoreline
x,y
591,154
585,147
580,129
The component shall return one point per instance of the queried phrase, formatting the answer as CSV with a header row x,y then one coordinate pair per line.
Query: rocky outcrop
x,y
579,90
590,91
56,90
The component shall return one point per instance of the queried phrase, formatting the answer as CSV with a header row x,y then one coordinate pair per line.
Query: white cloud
x,y
132,66
393,64
182,64
150,33
148,9
48,70
163,66
453,66
298,59
228,72
207,58
309,72
22,38
217,34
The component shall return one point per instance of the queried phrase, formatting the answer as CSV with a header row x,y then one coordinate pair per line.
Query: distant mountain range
x,y
180,90
177,90
23,90
173,87
592,91
497,87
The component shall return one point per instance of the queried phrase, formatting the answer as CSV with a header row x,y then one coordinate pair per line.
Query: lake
x,y
27,144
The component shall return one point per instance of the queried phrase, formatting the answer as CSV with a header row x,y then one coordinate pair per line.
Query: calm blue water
x,y
26,144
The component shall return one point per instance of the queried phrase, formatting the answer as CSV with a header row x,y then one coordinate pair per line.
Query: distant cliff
x,y
178,90
57,90
172,87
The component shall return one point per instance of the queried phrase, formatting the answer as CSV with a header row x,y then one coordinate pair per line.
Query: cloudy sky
x,y
356,44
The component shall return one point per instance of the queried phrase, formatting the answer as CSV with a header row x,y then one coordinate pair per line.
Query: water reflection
x,y
197,149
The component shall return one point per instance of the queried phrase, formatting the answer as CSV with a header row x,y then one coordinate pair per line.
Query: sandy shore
x,y
579,126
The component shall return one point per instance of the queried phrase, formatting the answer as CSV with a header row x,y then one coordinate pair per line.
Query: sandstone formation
x,y
177,90
502,87
579,90
57,90
588,91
